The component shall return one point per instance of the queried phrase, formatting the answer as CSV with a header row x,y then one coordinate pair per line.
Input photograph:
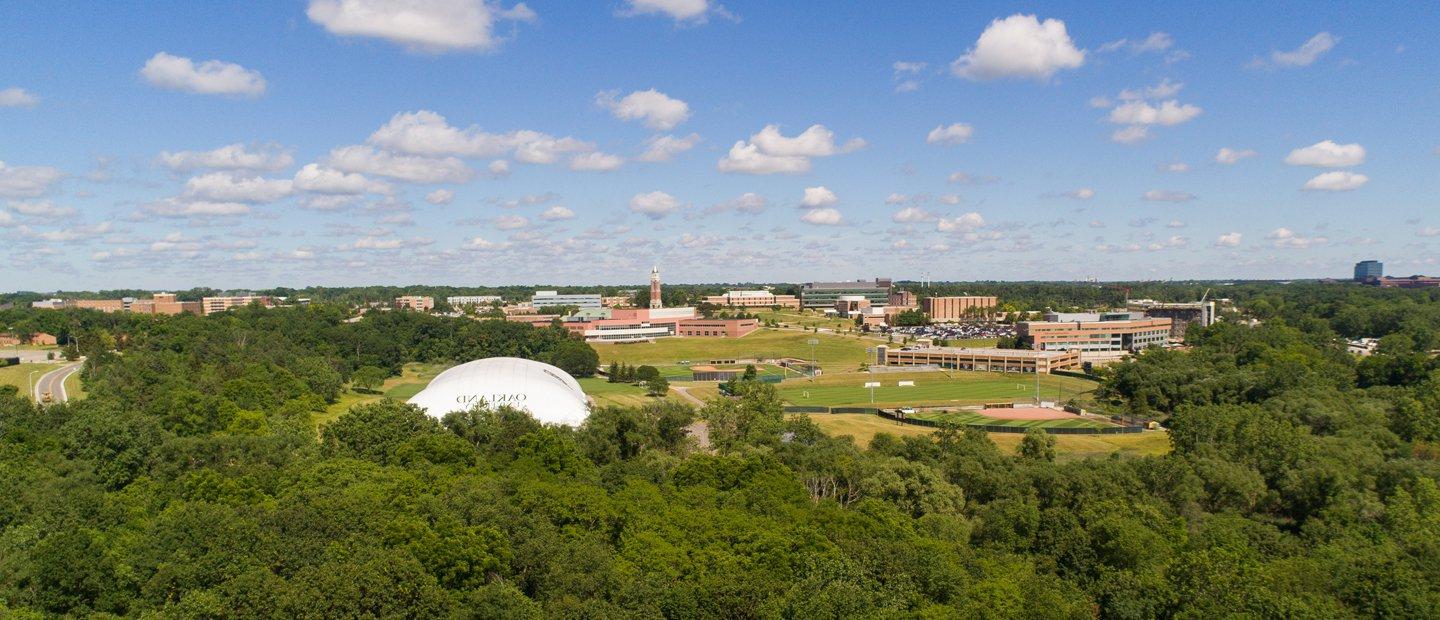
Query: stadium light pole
x,y
30,383
814,358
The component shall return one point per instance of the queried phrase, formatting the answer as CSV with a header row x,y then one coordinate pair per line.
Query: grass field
x,y
619,394
931,388
834,351
863,427
18,374
74,389
970,417
412,379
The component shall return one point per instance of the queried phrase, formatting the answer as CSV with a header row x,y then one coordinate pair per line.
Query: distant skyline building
x,y
1369,270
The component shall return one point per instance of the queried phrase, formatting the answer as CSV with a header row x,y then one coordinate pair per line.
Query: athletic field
x,y
965,418
862,427
835,352
931,388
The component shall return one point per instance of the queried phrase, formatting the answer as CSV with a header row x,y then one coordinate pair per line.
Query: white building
x,y
551,395
477,300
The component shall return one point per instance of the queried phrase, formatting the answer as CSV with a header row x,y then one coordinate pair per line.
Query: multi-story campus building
x,y
718,328
946,309
964,358
1182,314
1366,270
212,305
824,294
1109,332
159,303
551,299
471,300
753,299
415,302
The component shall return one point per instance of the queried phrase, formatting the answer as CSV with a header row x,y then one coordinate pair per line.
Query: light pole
x,y
30,383
814,361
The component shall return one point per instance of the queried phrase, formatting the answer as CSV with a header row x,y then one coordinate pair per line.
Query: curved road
x,y
54,383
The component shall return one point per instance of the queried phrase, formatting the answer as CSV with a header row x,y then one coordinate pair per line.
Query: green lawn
x,y
74,389
863,427
834,351
618,394
18,374
932,388
413,378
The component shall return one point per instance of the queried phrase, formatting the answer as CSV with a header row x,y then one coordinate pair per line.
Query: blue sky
x,y
347,142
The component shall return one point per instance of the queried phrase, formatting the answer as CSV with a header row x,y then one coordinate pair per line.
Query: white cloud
x,y
433,26
749,203
1019,46
1428,231
1100,101
1286,238
682,11
1228,240
1306,54
511,222
907,86
16,97
1336,181
557,213
1165,195
440,197
428,134
910,215
1230,157
1131,134
480,243
666,147
367,160
654,205
966,223
596,162
770,152
68,235
1178,166
955,133
949,199
40,209
820,196
327,202
226,187
912,68
172,207
659,111
212,77
499,169
1138,112
1327,154
823,217
321,180
1082,193
747,158
1156,42
27,181
230,157
1162,90
965,178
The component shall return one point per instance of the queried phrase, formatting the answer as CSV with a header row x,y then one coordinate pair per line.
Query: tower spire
x,y
655,287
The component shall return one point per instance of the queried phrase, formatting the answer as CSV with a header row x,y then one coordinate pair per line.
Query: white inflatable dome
x,y
548,393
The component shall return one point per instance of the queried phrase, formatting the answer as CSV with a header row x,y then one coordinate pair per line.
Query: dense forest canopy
x,y
193,483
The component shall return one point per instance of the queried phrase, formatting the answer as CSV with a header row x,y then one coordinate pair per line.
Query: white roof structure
x,y
548,393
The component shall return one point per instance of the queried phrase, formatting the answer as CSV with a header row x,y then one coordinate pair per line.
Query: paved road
x,y
54,383
685,393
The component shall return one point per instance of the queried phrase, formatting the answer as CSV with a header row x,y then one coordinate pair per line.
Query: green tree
x,y
368,378
1037,445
